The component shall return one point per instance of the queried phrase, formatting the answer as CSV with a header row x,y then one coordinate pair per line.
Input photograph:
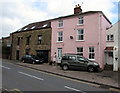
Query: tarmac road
x,y
23,79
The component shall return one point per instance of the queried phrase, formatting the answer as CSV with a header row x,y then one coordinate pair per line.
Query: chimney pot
x,y
77,9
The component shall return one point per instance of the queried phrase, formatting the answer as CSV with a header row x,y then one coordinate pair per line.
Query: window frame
x,y
110,38
81,52
78,38
39,40
89,52
60,37
60,24
18,40
28,40
80,20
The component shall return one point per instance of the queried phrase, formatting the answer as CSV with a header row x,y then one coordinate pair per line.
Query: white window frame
x,y
80,52
80,20
80,35
110,38
91,52
59,36
60,24
39,39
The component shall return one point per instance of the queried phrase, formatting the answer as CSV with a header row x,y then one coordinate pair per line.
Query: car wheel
x,y
90,68
65,67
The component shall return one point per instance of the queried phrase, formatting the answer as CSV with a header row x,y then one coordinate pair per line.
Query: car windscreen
x,y
35,57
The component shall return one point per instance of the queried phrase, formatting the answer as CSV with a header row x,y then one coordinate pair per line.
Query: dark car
x,y
74,61
32,59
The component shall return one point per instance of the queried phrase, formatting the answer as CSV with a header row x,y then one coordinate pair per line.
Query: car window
x,y
81,59
28,56
65,58
35,57
72,57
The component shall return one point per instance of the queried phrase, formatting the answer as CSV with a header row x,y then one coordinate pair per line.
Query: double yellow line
x,y
16,90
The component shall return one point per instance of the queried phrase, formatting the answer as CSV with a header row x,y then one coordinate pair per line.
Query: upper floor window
x,y
80,34
80,51
28,40
91,52
60,23
80,20
18,41
39,39
60,36
110,37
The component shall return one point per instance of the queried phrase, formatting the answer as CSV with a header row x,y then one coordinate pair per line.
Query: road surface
x,y
15,77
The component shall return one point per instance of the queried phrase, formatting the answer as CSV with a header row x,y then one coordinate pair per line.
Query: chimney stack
x,y
77,9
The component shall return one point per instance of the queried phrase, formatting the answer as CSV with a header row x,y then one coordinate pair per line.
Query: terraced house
x,y
35,39
82,33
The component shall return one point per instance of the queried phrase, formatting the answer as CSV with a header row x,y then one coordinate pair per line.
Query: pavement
x,y
105,78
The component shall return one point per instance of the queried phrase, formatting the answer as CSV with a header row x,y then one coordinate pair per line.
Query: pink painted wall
x,y
91,36
102,28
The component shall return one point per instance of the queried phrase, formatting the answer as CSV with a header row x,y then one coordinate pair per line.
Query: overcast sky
x,y
14,14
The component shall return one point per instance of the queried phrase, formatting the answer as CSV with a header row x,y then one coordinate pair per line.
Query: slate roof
x,y
47,23
35,26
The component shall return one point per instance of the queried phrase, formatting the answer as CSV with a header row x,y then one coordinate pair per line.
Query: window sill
x,y
80,40
59,41
80,24
110,41
92,59
60,27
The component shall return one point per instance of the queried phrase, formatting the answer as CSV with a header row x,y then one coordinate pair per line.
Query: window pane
x,y
91,53
60,23
60,36
80,20
80,34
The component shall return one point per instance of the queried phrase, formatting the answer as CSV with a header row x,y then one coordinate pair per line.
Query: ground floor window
x,y
80,51
91,52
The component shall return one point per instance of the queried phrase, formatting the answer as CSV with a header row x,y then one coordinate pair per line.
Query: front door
x,y
59,55
17,55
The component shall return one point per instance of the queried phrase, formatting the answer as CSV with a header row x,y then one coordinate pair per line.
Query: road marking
x,y
74,89
92,84
5,67
113,89
30,75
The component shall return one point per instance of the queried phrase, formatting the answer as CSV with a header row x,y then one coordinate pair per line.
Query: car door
x,y
81,63
72,61
27,58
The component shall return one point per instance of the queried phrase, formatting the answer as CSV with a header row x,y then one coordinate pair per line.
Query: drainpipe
x,y
11,46
99,38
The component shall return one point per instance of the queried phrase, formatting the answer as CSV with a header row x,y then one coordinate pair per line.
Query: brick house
x,y
35,39
82,33
6,47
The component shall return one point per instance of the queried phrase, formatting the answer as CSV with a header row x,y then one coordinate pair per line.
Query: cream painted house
x,y
112,49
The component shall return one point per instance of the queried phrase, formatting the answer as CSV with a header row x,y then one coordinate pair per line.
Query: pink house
x,y
81,33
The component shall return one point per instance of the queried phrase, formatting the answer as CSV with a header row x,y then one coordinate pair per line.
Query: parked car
x,y
74,61
31,59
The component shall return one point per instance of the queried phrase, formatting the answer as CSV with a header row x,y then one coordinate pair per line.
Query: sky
x,y
15,14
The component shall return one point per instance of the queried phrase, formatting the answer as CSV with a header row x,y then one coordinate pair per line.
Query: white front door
x,y
59,55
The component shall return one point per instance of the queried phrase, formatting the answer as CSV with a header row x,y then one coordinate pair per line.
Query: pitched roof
x,y
35,26
83,13
47,23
